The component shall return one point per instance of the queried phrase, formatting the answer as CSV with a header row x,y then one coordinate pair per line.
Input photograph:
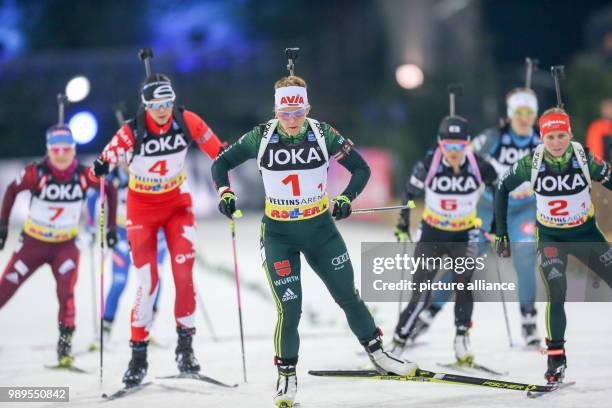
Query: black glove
x,y
111,238
502,245
3,235
342,207
100,167
227,204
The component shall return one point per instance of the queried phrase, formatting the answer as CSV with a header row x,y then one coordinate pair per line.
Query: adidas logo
x,y
554,274
289,295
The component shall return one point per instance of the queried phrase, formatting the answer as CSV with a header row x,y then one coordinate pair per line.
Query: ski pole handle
x,y
410,205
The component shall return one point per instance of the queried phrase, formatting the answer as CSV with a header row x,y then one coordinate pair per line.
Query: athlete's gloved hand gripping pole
x,y
227,207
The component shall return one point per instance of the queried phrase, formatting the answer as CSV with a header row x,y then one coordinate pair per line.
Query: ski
x,y
125,391
70,368
559,386
430,376
473,366
198,377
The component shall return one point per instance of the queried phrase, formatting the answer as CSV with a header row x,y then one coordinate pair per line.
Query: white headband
x,y
522,99
290,97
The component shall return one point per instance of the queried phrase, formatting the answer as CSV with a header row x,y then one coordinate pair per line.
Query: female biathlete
x,y
293,153
58,184
451,177
560,172
503,146
154,145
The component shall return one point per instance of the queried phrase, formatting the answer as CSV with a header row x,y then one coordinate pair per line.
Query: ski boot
x,y
384,362
185,359
421,326
137,369
529,328
64,346
463,349
286,384
557,363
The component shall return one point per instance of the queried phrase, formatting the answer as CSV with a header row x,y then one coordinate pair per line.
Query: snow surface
x,y
28,336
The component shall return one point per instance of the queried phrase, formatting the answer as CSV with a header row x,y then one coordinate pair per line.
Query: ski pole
x,y
238,214
102,248
503,298
206,317
390,208
400,303
478,224
92,267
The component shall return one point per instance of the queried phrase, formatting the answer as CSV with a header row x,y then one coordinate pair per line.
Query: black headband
x,y
157,90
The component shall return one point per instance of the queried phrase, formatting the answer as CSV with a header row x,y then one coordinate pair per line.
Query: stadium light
x,y
77,88
84,127
409,76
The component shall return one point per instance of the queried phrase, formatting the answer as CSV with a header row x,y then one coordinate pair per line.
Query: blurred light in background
x,y
12,41
77,88
409,76
84,127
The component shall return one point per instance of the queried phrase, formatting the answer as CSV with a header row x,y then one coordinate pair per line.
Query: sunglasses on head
x,y
160,104
60,149
454,144
288,114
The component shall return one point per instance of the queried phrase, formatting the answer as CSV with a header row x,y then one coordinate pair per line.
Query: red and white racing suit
x,y
158,197
49,233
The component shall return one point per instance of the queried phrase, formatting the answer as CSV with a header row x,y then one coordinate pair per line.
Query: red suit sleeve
x,y
594,138
202,134
117,149
26,180
111,195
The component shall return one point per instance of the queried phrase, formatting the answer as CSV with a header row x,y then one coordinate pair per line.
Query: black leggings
x,y
437,243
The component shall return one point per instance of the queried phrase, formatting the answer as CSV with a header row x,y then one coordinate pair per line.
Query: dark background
x,y
224,57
